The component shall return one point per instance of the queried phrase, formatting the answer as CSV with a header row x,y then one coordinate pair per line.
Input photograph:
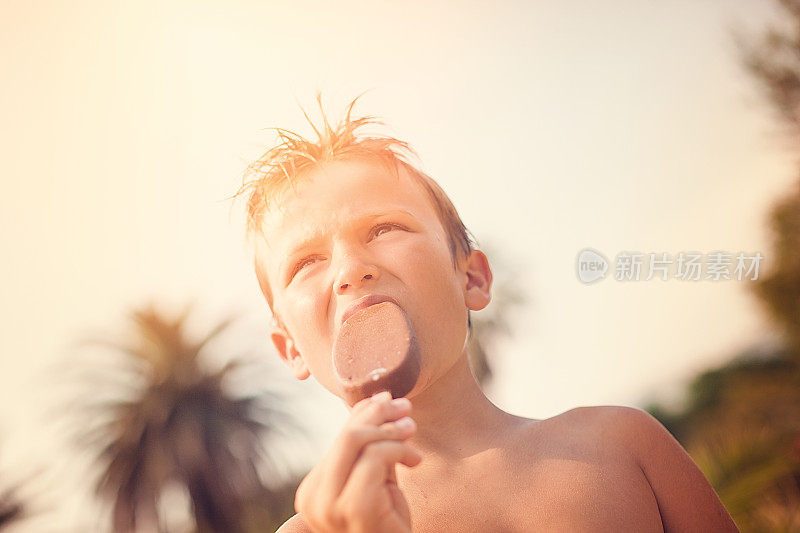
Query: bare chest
x,y
556,494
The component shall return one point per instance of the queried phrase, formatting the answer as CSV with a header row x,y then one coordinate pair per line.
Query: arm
x,y
686,500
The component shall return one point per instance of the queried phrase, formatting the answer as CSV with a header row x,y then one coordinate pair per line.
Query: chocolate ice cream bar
x,y
376,350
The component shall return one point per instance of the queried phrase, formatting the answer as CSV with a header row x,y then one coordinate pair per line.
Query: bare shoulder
x,y
598,437
605,414
579,467
295,524
685,498
616,425
607,428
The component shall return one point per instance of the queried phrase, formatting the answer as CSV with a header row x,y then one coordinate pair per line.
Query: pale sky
x,y
626,126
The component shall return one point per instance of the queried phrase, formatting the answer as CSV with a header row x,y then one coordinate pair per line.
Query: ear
x,y
478,287
286,349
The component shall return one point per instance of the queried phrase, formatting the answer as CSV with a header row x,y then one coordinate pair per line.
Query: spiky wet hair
x,y
274,174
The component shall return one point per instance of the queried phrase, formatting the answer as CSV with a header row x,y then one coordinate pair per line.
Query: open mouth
x,y
364,302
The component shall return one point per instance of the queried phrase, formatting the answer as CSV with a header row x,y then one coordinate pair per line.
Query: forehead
x,y
339,192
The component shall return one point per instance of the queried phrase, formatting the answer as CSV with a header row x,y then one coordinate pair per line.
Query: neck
x,y
455,420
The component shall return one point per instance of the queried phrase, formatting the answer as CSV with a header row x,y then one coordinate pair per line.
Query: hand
x,y
354,486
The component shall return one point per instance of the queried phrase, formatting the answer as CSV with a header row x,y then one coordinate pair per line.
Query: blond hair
x,y
272,175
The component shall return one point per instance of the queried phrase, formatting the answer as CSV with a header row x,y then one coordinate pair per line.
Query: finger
x,y
353,438
382,408
327,478
378,460
378,396
355,434
399,429
373,469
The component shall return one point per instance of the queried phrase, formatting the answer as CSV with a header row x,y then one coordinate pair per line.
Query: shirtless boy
x,y
347,216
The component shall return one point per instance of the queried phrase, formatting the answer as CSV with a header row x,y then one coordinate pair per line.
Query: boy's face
x,y
355,228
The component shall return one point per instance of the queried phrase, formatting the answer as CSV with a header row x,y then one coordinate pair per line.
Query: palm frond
x,y
181,424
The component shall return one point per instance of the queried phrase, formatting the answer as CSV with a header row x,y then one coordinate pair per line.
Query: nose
x,y
353,273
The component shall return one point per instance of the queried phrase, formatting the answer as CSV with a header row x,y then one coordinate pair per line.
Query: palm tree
x,y
11,508
178,425
774,62
740,425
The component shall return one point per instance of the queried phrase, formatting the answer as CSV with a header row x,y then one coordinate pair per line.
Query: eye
x,y
380,229
302,264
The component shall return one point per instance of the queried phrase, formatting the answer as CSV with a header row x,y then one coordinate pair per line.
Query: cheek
x,y
306,318
435,279
442,321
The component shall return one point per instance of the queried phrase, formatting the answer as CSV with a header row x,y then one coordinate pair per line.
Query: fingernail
x,y
404,423
401,402
381,396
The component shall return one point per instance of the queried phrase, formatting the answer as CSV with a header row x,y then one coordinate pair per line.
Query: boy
x,y
346,217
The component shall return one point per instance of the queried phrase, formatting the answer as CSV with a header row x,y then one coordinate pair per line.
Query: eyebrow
x,y
310,240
